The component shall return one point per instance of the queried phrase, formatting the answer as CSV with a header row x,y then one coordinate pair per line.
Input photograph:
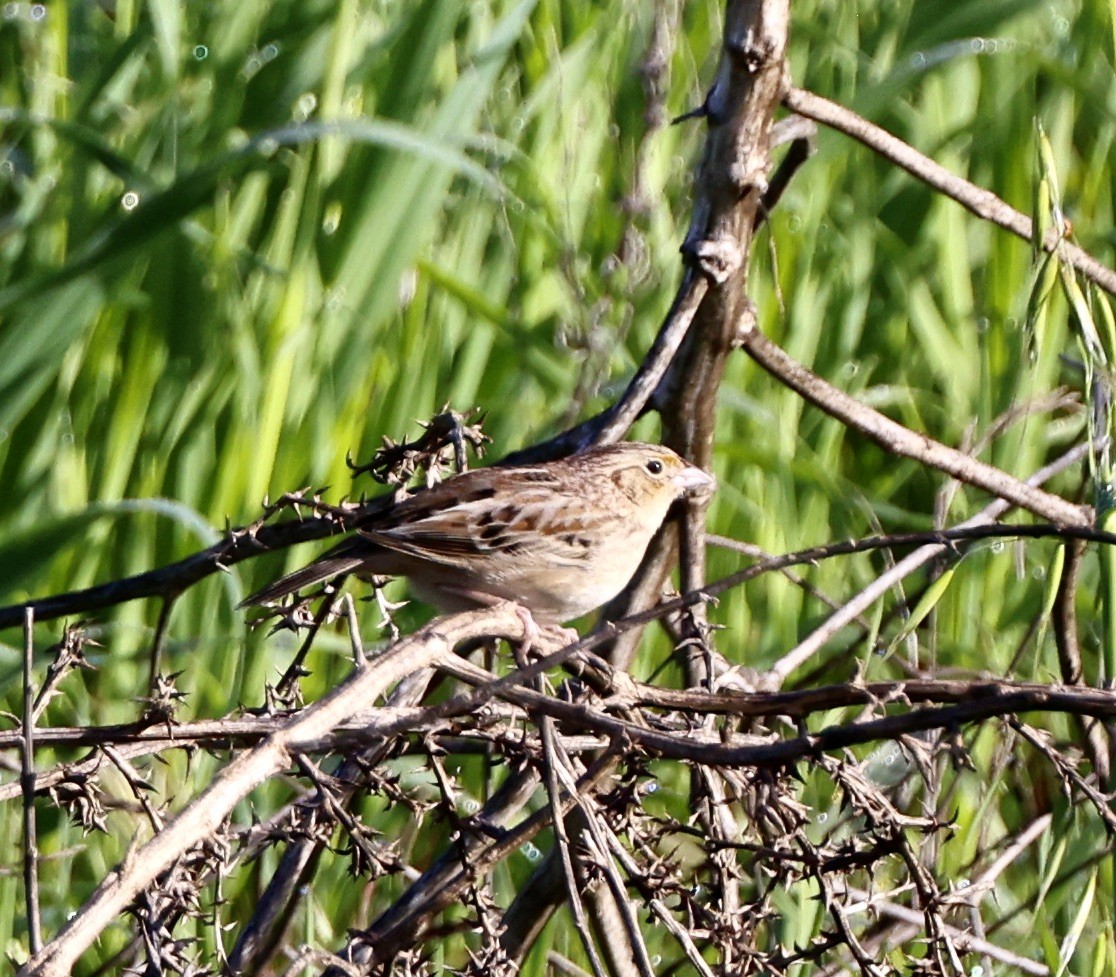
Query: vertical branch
x,y
355,639
27,783
700,332
562,845
294,670
160,638
729,191
1093,735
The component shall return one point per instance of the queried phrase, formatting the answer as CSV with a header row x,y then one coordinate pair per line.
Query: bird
x,y
559,539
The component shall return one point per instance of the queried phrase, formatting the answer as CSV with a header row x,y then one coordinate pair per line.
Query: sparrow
x,y
559,538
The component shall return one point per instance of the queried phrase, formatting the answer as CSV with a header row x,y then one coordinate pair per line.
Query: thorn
x,y
701,112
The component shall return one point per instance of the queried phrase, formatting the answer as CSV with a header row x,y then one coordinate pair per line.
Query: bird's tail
x,y
331,565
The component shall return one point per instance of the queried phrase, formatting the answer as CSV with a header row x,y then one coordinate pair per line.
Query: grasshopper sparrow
x,y
560,538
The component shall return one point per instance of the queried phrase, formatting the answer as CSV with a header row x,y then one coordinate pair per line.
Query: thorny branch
x,y
307,731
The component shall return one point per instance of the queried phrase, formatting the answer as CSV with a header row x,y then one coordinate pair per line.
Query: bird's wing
x,y
489,511
533,520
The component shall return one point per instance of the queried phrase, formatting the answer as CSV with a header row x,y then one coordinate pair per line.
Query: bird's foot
x,y
533,634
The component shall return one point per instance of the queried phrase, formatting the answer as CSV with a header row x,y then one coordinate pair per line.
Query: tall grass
x,y
241,240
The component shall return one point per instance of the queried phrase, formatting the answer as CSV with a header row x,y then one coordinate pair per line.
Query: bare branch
x,y
27,787
899,440
979,201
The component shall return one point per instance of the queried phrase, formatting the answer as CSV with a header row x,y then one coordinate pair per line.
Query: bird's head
x,y
648,474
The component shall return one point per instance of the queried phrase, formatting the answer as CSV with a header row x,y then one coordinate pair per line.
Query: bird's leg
x,y
531,635
532,632
386,606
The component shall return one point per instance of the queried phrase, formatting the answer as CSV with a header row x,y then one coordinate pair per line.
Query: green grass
x,y
241,240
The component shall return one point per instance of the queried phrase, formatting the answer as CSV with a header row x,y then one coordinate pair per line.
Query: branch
x,y
975,702
27,788
979,201
239,544
562,846
444,883
205,814
860,602
969,944
899,440
431,647
1076,700
806,702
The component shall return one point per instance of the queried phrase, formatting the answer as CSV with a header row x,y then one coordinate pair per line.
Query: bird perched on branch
x,y
559,538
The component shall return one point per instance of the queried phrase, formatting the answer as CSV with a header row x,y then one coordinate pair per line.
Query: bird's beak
x,y
693,481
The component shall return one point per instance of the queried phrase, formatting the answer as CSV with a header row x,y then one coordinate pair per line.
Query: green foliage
x,y
239,241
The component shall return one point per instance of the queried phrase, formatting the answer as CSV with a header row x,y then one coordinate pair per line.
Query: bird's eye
x,y
655,467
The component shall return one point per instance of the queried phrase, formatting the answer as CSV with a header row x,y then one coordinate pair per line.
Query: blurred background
x,y
241,240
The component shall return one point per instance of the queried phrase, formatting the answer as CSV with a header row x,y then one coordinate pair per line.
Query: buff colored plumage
x,y
560,538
